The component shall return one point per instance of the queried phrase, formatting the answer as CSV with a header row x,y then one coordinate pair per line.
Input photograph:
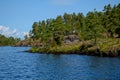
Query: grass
x,y
110,45
65,48
105,46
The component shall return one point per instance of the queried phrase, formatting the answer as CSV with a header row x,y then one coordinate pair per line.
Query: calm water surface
x,y
18,65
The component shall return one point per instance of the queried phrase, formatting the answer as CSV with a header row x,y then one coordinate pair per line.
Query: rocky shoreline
x,y
99,54
104,48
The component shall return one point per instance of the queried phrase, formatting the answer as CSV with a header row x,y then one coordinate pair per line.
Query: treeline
x,y
94,25
8,41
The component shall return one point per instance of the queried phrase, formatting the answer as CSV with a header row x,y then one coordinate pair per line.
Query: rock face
x,y
71,38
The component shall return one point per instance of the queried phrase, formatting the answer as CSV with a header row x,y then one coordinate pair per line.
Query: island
x,y
97,33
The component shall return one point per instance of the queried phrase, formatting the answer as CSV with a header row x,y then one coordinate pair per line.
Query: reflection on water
x,y
16,65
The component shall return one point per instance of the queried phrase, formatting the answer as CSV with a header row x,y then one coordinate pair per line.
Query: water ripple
x,y
17,65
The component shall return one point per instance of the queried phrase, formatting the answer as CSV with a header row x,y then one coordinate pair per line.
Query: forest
x,y
95,27
94,24
8,41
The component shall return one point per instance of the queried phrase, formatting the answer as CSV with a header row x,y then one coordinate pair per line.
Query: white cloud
x,y
4,29
25,33
8,32
64,2
14,31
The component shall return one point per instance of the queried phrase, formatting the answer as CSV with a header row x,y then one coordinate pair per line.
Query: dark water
x,y
18,65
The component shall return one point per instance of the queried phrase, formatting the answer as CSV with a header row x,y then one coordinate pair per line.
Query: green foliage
x,y
111,19
117,30
26,36
6,41
92,26
54,44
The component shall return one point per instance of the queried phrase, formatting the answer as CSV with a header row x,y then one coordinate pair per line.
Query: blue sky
x,y
17,16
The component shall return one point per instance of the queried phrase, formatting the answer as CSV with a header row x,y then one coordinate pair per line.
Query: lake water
x,y
18,65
